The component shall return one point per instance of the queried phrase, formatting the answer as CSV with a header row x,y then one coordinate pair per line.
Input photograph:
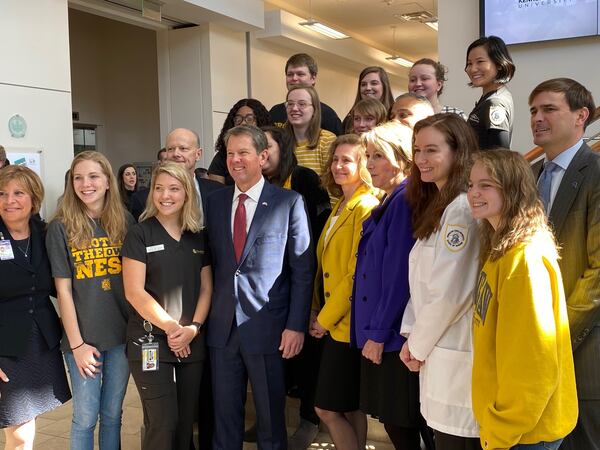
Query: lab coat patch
x,y
456,237
497,115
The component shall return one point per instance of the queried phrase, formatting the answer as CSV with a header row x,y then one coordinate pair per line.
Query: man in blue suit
x,y
260,241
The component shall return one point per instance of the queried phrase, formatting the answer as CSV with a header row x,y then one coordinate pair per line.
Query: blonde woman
x,y
524,393
338,386
389,391
168,280
84,245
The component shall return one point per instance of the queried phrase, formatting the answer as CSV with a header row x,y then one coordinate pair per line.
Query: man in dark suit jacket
x,y
182,146
260,242
561,109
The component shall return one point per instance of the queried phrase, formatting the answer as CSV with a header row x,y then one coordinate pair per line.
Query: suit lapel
x,y
262,211
568,189
224,220
36,246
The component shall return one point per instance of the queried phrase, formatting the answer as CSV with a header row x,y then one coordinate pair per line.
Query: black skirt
x,y
38,382
389,391
338,385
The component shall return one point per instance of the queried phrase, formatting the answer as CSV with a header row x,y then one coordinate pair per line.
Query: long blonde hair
x,y
522,215
190,216
73,213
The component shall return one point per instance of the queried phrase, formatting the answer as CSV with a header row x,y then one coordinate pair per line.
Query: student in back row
x,y
301,69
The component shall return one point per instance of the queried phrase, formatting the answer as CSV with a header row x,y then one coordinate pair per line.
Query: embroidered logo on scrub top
x,y
497,115
456,237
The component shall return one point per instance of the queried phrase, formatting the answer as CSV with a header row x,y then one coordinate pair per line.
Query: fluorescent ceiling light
x,y
400,60
432,25
323,29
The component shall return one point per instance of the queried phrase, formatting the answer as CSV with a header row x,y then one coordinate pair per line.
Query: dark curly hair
x,y
260,112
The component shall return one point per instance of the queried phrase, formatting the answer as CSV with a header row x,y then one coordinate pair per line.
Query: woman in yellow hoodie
x,y
338,385
524,394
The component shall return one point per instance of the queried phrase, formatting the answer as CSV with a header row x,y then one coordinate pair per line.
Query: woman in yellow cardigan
x,y
338,386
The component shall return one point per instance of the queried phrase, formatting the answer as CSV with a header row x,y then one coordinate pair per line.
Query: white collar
x,y
254,192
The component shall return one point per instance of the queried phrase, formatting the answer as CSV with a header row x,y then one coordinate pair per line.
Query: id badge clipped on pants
x,y
150,356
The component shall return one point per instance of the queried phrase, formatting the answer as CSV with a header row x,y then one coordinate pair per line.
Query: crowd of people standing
x,y
403,263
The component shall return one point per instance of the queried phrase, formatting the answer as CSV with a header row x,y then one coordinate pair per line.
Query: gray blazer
x,y
575,217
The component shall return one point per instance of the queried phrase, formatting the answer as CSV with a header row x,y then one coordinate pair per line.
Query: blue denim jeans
x,y
102,397
539,446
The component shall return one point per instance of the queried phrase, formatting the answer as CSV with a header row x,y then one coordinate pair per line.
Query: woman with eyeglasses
x,y
304,123
247,111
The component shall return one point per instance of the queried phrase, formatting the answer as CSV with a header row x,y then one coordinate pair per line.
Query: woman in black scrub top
x,y
168,280
490,67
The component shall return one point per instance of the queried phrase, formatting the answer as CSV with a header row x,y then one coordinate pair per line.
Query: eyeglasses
x,y
301,105
248,118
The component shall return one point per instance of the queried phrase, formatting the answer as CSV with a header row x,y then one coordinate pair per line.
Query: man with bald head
x,y
182,146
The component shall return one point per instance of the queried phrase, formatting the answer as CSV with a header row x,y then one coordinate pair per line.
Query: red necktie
x,y
239,227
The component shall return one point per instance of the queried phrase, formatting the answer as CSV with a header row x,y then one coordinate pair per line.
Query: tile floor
x,y
53,427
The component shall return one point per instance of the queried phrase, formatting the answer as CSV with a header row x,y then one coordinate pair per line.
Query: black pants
x,y
445,441
206,413
169,400
586,434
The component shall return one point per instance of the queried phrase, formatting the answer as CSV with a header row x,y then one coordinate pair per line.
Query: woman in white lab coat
x,y
443,267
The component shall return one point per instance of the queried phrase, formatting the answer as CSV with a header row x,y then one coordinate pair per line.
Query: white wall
x,y
573,58
115,85
202,73
35,83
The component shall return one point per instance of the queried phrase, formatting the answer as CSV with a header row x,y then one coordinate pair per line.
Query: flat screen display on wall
x,y
521,21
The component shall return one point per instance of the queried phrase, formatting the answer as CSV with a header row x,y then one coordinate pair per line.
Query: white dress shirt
x,y
251,202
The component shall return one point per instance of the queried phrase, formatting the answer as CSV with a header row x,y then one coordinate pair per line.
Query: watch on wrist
x,y
198,326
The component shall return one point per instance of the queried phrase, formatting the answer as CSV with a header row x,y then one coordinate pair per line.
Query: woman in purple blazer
x,y
389,390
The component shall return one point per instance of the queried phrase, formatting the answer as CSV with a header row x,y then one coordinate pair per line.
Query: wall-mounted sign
x,y
17,126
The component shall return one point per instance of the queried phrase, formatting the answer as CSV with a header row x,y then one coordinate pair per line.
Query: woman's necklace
x,y
26,251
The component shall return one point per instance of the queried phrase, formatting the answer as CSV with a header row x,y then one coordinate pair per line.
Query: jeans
x,y
100,396
539,446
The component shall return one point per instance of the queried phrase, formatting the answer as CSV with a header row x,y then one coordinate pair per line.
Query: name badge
x,y
150,356
155,248
6,251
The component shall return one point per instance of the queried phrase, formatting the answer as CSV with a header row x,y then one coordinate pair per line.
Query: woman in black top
x,y
490,67
168,280
32,374
247,111
127,180
282,169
